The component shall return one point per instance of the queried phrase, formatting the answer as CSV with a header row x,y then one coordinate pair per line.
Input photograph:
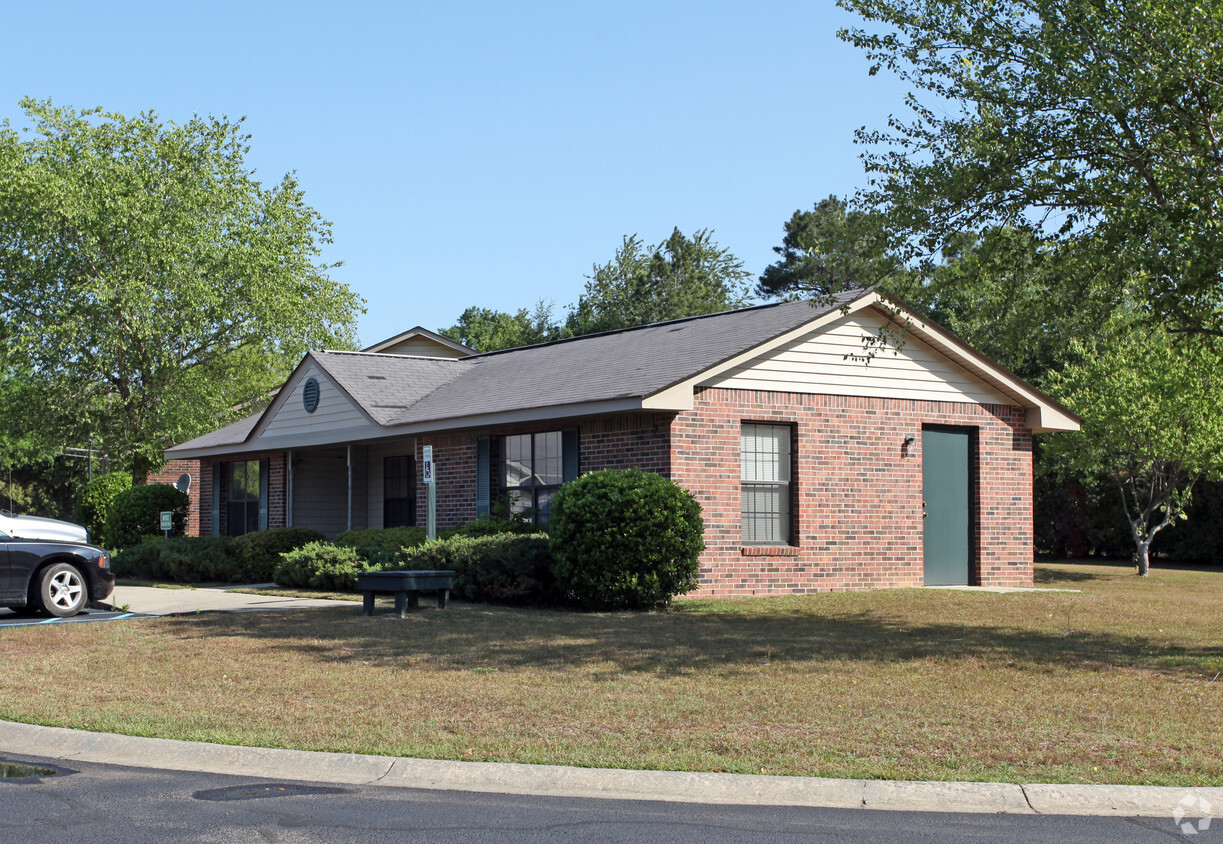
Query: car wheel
x,y
62,590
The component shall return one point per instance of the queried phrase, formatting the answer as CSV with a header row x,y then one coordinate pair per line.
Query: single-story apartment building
x,y
817,466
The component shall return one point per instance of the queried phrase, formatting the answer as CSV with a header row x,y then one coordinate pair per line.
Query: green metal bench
x,y
406,587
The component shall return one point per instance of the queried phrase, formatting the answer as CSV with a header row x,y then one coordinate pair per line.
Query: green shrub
x,y
93,501
321,565
184,559
625,539
136,511
501,568
380,547
259,552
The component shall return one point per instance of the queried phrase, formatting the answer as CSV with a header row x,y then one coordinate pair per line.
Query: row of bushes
x,y
619,539
211,559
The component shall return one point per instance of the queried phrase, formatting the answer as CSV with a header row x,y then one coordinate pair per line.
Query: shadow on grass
x,y
476,637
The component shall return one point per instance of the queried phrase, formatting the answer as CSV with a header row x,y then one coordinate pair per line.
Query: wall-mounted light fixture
x,y
909,440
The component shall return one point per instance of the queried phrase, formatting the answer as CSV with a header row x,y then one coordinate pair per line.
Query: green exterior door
x,y
947,523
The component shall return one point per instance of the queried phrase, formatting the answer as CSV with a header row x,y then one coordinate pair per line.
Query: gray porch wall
x,y
320,489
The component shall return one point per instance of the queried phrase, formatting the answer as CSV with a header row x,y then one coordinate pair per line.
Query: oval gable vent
x,y
310,395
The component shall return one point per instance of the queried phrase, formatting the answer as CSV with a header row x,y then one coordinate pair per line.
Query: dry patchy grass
x,y
1118,683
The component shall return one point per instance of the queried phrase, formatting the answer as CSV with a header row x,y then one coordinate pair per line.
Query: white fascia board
x,y
679,396
343,436
1044,414
419,331
1047,420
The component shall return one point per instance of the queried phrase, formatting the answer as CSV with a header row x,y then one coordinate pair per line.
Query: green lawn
x,y
1119,683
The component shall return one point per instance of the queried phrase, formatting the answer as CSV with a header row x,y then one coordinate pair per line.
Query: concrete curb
x,y
560,781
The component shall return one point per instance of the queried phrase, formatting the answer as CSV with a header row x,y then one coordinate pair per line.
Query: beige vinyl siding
x,y
334,411
819,364
422,347
320,489
377,454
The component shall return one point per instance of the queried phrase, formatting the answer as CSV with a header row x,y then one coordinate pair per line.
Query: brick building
x,y
817,466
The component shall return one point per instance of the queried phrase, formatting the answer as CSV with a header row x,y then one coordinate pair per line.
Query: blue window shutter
x,y
264,465
217,477
570,454
483,471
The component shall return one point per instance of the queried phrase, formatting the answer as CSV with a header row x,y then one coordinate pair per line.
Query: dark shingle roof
x,y
633,363
386,385
231,434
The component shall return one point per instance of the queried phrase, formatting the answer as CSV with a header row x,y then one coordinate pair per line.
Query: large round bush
x,y
135,512
93,501
625,539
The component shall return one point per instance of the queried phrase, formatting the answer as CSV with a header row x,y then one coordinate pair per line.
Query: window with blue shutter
x,y
533,468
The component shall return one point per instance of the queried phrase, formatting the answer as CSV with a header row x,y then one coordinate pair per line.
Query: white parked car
x,y
36,527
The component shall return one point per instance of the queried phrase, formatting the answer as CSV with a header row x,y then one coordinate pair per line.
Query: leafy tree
x,y
830,249
1093,125
149,280
680,277
1012,296
1152,424
488,330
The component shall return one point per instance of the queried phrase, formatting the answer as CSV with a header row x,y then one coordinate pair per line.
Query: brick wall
x,y
856,490
199,519
454,467
170,474
617,441
626,440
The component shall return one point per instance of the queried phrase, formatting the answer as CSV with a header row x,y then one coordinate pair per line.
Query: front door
x,y
946,507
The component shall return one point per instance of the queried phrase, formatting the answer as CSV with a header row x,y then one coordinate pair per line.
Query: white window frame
x,y
766,476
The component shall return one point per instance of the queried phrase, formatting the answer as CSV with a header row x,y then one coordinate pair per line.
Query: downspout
x,y
349,486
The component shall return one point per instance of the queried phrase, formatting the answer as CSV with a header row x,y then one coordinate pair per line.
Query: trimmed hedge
x,y
507,568
381,547
135,512
625,539
259,552
185,559
94,499
322,565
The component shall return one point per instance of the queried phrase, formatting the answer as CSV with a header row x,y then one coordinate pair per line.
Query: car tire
x,y
62,590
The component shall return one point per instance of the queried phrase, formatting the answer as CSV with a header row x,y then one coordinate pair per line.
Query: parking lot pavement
x,y
8,618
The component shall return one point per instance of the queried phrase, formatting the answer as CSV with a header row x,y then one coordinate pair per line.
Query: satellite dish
x,y
184,483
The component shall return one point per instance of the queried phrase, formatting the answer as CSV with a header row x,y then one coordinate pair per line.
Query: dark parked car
x,y
56,578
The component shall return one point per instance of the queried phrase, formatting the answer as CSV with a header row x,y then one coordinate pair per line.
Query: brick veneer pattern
x,y
170,474
857,490
605,442
199,518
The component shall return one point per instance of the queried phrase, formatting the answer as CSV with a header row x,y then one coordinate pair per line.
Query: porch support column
x,y
289,489
349,486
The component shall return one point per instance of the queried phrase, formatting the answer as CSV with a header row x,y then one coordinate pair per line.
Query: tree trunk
x,y
1144,558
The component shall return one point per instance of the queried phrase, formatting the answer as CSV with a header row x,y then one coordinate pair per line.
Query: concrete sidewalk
x,y
54,743
149,600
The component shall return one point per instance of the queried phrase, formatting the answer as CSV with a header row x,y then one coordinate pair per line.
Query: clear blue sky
x,y
488,153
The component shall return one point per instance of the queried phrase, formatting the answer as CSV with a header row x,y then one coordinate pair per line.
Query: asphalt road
x,y
104,803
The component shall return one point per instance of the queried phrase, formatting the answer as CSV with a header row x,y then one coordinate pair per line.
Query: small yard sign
x,y
165,519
